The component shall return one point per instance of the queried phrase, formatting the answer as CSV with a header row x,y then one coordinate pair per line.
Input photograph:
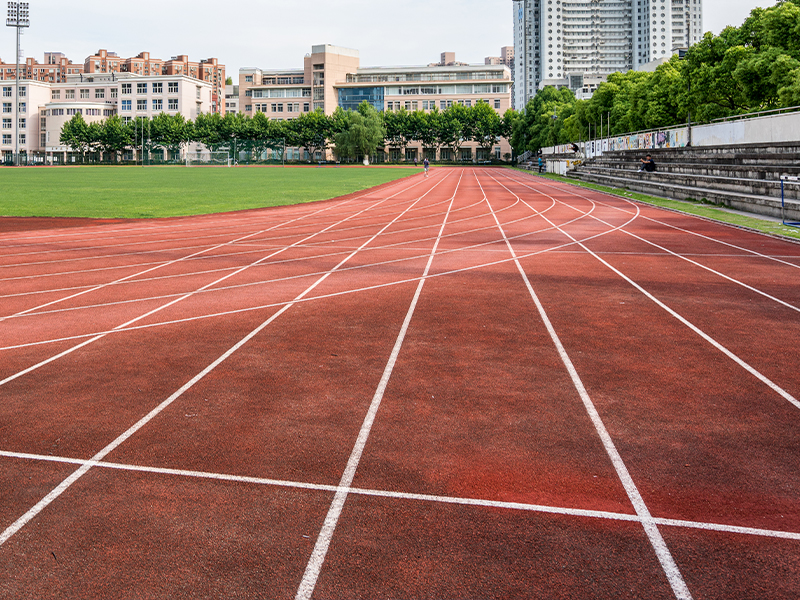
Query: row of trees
x,y
350,133
745,69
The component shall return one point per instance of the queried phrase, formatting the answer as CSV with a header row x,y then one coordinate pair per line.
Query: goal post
x,y
208,159
791,180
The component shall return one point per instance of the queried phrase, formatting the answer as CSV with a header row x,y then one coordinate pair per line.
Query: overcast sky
x,y
277,34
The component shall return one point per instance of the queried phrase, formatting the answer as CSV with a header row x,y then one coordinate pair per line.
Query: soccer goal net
x,y
208,159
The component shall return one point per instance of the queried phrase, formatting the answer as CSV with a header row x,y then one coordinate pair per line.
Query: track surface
x,y
477,385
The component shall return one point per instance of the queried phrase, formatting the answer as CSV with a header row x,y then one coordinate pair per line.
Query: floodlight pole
x,y
19,17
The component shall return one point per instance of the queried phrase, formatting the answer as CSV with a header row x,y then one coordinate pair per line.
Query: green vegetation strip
x,y
136,192
709,211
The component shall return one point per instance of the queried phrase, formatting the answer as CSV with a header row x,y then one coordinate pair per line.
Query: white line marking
x,y
64,485
322,544
188,295
477,502
747,367
662,552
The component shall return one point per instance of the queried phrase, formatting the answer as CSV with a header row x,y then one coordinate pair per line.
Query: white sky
x,y
277,34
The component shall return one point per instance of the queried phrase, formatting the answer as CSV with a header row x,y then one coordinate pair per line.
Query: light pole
x,y
19,17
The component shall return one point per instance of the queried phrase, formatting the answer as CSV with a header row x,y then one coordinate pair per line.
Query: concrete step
x,y
756,187
753,203
713,170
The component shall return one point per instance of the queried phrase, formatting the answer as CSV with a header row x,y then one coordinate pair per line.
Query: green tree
x,y
116,137
365,133
486,126
75,134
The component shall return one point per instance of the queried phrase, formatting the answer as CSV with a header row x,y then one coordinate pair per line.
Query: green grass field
x,y
136,192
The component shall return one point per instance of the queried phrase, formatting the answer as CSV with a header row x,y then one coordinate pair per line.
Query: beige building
x,y
332,77
45,107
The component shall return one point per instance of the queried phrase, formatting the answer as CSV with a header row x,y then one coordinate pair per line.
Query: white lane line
x,y
693,262
636,203
185,296
82,470
430,498
739,361
671,570
314,566
146,271
336,294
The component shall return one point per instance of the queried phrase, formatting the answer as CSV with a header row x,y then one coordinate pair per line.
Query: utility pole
x,y
19,17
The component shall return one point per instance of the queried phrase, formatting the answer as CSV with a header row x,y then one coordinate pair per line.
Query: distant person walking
x,y
541,165
648,164
427,166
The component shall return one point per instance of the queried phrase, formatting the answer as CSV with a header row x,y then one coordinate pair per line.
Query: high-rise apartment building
x,y
563,42
54,69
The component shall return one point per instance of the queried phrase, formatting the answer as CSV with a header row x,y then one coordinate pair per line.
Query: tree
x,y
75,134
312,131
171,132
364,134
486,125
115,137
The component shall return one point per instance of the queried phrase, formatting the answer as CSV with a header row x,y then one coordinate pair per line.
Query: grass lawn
x,y
136,192
701,210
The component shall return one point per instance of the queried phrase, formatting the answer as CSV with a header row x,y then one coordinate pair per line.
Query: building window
x,y
22,91
158,88
6,123
141,105
114,92
6,92
158,104
84,94
23,107
7,139
99,94
22,124
497,104
141,88
55,95
198,92
126,88
126,105
22,139
172,104
6,107
248,78
306,107
172,87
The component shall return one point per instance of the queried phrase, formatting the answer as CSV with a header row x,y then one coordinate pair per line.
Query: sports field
x,y
477,385
137,192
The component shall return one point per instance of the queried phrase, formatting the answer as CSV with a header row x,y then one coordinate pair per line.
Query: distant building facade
x,y
332,77
54,69
555,40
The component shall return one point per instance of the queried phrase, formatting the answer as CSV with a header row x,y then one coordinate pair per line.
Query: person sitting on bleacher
x,y
648,164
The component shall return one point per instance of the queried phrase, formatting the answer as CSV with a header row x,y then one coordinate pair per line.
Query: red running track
x,y
478,385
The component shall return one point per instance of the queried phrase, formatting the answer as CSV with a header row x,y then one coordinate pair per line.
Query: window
x,y
141,105
84,94
172,104
126,88
158,104
158,88
7,139
306,107
141,88
23,107
126,105
22,139
198,92
114,92
99,94
55,95
248,78
172,87
497,104
6,92
22,91
274,108
22,124
6,107
6,123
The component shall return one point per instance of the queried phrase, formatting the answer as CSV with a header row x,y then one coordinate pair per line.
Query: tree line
x,y
751,68
349,134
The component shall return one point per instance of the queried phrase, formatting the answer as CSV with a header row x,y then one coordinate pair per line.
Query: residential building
x,y
209,70
555,40
45,107
506,58
332,77
54,69
231,99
